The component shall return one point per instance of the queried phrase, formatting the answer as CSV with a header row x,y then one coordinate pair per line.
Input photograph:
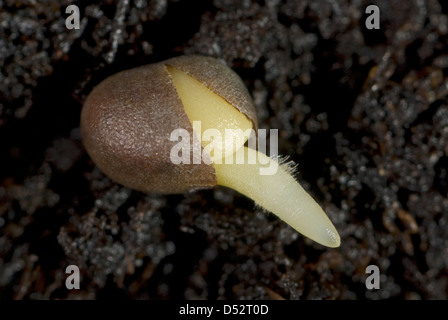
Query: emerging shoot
x,y
278,193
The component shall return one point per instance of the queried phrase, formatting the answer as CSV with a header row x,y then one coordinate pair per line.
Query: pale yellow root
x,y
282,195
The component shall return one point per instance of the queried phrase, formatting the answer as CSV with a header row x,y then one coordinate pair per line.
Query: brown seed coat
x,y
127,120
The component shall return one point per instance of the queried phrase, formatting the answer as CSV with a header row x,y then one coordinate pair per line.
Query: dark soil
x,y
363,112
